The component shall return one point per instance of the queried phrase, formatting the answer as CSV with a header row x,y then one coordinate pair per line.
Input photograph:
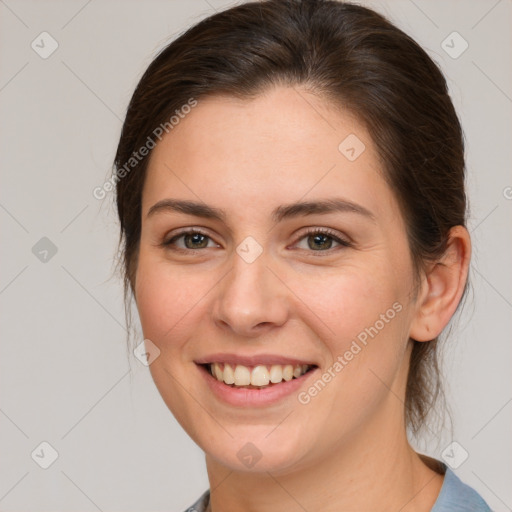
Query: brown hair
x,y
345,53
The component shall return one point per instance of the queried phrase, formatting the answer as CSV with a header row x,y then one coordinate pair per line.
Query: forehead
x,y
281,146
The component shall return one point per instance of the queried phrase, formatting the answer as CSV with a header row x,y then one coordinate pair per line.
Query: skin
x,y
347,448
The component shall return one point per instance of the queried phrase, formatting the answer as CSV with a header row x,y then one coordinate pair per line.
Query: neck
x,y
376,470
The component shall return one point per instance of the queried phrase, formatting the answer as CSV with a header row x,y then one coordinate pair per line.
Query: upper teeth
x,y
259,375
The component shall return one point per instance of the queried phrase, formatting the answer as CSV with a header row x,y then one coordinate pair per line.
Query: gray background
x,y
65,376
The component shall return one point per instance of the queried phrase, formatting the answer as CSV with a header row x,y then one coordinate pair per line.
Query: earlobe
x,y
442,287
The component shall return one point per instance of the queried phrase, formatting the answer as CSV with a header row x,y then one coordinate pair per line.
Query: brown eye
x,y
192,240
322,240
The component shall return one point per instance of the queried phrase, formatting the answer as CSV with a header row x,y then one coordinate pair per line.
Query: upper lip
x,y
251,360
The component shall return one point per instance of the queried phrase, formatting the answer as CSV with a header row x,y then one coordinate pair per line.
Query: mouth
x,y
258,376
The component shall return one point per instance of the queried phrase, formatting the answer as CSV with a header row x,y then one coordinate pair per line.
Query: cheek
x,y
352,299
366,338
363,315
166,299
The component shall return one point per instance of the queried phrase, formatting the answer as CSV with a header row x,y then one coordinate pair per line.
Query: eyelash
x,y
315,231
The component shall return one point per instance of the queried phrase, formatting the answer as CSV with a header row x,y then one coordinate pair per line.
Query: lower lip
x,y
246,397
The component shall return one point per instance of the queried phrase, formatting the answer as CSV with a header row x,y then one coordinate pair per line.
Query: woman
x,y
290,188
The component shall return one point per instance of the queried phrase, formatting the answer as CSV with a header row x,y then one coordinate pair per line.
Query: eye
x,y
318,240
192,239
321,240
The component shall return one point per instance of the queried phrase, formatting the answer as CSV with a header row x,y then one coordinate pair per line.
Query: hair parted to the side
x,y
349,55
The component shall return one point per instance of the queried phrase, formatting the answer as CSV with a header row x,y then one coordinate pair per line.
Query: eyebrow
x,y
279,214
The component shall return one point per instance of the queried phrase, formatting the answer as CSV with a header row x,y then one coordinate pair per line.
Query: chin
x,y
258,451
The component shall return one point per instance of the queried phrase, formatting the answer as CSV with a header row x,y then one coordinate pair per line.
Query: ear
x,y
442,287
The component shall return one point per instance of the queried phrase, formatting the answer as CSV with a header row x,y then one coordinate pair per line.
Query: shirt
x,y
455,496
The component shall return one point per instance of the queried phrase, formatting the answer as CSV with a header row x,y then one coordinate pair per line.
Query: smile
x,y
258,376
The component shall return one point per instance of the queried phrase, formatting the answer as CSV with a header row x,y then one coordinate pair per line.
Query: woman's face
x,y
258,286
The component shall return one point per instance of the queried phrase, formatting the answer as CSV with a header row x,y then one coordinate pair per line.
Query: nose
x,y
250,299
